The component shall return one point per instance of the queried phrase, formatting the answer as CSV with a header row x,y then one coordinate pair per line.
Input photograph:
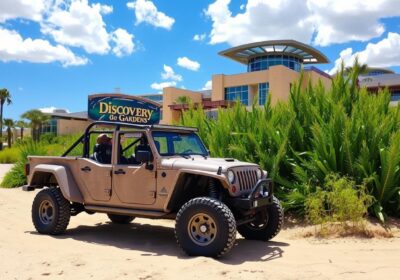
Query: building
x,y
272,67
379,78
61,122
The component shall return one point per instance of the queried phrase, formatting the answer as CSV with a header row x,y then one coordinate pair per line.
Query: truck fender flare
x,y
64,178
173,195
222,178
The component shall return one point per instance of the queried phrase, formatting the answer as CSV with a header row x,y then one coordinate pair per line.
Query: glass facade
x,y
395,96
156,98
240,93
263,90
375,73
49,127
264,62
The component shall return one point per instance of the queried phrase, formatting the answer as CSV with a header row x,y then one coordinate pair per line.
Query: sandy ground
x,y
4,168
92,248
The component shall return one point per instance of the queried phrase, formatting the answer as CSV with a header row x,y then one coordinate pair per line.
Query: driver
x,y
103,149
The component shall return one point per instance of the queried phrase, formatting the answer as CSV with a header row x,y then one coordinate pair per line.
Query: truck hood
x,y
200,163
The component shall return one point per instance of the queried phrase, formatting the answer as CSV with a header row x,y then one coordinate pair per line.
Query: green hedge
x,y
342,130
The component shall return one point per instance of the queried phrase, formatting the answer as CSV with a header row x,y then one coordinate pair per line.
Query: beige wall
x,y
70,126
315,77
170,94
279,77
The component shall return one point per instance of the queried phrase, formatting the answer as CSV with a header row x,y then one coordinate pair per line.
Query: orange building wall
x,y
170,94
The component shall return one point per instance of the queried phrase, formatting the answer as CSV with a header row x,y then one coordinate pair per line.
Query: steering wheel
x,y
187,151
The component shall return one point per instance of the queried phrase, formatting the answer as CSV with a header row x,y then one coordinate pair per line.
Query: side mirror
x,y
143,156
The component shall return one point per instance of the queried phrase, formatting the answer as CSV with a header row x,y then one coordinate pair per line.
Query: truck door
x,y
132,182
96,178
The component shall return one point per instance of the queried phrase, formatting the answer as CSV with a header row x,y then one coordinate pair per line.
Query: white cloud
x,y
79,24
199,37
339,21
207,86
260,20
330,21
160,86
123,42
384,53
14,48
51,109
31,9
169,74
146,11
188,64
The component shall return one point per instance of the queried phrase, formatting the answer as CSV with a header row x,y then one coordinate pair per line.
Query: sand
x,y
93,248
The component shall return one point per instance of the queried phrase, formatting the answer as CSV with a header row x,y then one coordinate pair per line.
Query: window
x,y
128,141
240,93
49,127
177,143
263,90
395,96
264,62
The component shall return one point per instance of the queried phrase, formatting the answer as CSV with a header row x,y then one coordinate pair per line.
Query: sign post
x,y
124,109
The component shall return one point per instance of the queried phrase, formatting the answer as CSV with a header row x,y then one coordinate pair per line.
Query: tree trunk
x,y
1,125
22,133
9,135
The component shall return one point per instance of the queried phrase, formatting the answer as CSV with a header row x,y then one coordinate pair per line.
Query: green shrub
x,y
16,176
342,130
338,200
9,155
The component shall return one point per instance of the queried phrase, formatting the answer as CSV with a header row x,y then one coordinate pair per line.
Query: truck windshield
x,y
178,143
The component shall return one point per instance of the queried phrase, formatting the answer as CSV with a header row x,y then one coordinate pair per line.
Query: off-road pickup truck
x,y
157,172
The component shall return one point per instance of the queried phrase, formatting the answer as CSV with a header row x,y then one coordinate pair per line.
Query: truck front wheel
x,y
205,227
50,212
266,225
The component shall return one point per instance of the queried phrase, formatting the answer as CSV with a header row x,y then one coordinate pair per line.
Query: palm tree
x,y
36,118
21,124
5,97
183,100
10,124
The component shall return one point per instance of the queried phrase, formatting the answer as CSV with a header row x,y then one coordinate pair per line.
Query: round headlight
x,y
231,176
259,173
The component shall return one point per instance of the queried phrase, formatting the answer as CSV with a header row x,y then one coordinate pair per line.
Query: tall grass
x,y
342,130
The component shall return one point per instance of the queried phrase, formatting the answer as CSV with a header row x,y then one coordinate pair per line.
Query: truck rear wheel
x,y
266,226
205,227
120,219
50,212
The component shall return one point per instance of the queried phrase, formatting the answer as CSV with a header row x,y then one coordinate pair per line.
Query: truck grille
x,y
247,178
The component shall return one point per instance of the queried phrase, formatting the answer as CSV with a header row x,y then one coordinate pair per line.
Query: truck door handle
x,y
86,169
119,171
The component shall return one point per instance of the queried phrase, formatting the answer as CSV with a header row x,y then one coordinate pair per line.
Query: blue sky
x,y
54,53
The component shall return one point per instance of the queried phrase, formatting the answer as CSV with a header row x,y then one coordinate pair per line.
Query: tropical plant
x,y
9,123
183,99
342,130
36,118
5,98
22,125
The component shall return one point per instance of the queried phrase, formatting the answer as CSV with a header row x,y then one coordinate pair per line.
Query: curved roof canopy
x,y
244,53
380,70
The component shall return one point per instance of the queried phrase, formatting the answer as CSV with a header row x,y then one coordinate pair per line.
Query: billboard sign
x,y
123,108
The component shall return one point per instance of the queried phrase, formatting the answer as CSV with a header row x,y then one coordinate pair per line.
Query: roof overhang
x,y
306,53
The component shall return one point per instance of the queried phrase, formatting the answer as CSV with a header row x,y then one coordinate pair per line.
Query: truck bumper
x,y
261,195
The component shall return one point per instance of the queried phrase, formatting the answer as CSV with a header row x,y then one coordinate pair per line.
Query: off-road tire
x,y
273,225
222,223
60,212
120,219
